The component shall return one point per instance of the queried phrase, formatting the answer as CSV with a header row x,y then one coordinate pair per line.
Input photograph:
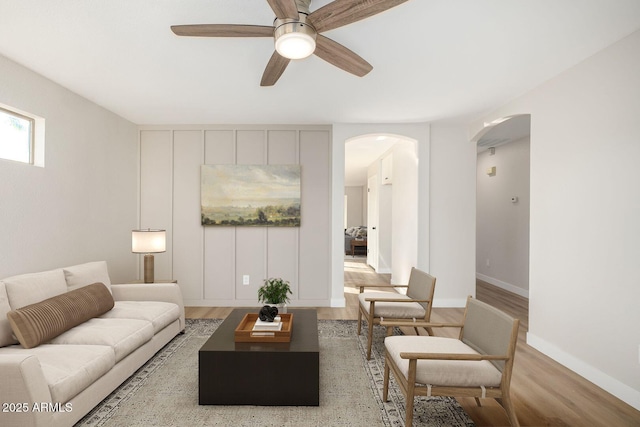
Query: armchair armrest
x,y
451,356
390,324
395,300
419,324
381,286
165,292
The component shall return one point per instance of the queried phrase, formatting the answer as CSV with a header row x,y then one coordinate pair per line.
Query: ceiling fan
x,y
296,32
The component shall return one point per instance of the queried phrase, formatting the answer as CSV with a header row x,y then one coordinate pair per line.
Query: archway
x,y
385,168
419,133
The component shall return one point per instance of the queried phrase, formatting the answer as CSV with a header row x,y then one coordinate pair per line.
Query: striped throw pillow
x,y
40,322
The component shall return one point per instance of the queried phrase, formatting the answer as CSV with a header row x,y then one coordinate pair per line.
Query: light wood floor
x,y
544,392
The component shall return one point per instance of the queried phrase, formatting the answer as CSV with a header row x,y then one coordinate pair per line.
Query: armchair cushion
x,y
450,373
395,310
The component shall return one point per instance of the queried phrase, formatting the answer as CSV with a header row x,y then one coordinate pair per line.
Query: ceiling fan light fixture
x,y
295,40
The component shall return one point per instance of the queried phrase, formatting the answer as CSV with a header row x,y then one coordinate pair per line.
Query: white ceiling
x,y
433,59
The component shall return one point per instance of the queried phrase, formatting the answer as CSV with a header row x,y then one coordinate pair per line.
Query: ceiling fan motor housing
x,y
299,33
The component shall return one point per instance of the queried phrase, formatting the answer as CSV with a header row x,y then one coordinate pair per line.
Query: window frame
x,y
36,135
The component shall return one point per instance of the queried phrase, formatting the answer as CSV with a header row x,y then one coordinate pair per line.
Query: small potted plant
x,y
275,291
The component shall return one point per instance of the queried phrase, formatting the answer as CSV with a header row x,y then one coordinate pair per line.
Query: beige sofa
x,y
57,382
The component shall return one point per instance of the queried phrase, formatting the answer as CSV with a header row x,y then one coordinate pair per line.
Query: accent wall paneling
x,y
210,262
187,231
219,242
315,232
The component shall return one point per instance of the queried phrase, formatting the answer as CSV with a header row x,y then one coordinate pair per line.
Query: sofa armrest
x,y
24,386
166,292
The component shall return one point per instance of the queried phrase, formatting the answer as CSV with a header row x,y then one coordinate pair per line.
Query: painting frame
x,y
250,195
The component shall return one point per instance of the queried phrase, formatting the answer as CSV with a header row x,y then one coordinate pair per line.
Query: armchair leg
x,y
507,404
409,397
359,320
385,384
369,337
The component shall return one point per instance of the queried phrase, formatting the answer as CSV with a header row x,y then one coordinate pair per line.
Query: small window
x,y
19,136
16,136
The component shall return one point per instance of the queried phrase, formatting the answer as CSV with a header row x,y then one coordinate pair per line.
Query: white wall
x,y
210,262
404,205
356,202
81,206
585,205
453,214
384,225
398,211
502,246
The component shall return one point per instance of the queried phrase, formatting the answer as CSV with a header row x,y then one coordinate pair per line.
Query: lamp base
x,y
148,269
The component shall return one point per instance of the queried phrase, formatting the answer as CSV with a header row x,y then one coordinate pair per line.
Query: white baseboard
x,y
504,285
599,378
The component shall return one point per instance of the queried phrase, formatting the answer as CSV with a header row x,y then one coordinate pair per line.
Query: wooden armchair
x,y
415,305
478,364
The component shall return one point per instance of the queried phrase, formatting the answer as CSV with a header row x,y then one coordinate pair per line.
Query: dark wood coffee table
x,y
282,374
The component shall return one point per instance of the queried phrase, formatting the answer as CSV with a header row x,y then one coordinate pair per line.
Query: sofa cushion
x,y
69,369
85,274
38,323
30,288
160,314
122,335
6,334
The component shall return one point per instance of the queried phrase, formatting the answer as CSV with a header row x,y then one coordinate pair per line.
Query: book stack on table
x,y
263,326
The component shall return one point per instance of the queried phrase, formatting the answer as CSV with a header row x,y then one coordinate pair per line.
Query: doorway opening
x,y
502,208
381,171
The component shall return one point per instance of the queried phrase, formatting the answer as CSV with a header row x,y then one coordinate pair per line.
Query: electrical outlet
x,y
245,279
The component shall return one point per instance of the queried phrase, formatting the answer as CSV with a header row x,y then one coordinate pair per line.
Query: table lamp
x,y
148,242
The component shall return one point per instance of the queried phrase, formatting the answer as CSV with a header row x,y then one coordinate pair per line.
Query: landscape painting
x,y
250,195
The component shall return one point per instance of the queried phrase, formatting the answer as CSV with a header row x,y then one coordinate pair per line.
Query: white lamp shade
x,y
148,241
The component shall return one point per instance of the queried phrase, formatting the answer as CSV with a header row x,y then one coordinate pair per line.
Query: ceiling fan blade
x,y
342,12
338,55
284,8
274,70
222,30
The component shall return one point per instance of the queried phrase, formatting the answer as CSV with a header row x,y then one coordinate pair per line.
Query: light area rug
x,y
164,392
